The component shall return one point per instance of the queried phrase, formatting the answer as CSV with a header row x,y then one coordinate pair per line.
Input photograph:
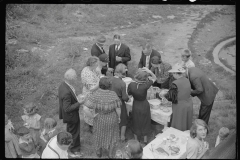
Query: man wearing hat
x,y
204,89
57,146
147,54
97,48
118,53
160,69
103,61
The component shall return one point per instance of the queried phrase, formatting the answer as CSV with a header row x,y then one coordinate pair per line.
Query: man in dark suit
x,y
97,50
147,54
204,89
68,110
118,53
225,150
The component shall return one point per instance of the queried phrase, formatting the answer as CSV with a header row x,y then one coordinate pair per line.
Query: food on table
x,y
165,110
162,151
174,150
172,136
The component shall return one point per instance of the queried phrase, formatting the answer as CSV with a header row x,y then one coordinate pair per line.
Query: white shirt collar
x,y
70,86
118,46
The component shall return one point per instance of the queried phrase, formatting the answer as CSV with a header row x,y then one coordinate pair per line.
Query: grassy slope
x,y
39,81
223,114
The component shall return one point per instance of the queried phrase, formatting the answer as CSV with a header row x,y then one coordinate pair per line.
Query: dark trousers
x,y
74,129
205,111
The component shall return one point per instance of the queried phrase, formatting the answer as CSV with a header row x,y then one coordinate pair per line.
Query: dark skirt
x,y
123,116
141,118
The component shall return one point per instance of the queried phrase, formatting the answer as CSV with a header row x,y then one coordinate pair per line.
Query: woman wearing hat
x,y
179,95
90,77
160,69
141,116
105,124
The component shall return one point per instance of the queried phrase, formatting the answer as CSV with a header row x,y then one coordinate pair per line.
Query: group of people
x,y
33,140
104,91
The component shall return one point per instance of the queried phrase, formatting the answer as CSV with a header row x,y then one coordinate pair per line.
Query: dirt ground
x,y
170,28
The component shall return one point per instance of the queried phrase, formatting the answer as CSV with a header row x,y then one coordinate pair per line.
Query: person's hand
x,y
26,125
146,70
119,59
206,145
110,69
122,138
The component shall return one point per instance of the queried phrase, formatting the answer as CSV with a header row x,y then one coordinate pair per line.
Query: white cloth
x,y
71,88
217,141
48,153
188,64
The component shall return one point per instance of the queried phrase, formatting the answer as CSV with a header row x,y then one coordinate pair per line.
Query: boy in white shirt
x,y
186,61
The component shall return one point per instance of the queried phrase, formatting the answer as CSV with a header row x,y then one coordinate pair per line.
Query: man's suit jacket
x,y
202,86
123,52
68,104
142,62
96,51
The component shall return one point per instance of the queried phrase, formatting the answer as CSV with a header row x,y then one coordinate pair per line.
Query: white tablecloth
x,y
182,143
157,115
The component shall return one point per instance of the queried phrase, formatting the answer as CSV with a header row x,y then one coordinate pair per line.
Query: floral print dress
x,y
89,80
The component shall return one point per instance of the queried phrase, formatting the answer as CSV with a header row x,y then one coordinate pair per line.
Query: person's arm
x,y
140,64
198,87
153,76
8,137
129,91
110,58
192,151
171,95
67,106
127,56
124,93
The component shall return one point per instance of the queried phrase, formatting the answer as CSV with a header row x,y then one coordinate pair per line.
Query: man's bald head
x,y
70,75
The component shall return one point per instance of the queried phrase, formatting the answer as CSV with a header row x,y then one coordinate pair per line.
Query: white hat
x,y
178,69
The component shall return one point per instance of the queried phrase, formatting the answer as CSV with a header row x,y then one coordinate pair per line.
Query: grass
x,y
33,77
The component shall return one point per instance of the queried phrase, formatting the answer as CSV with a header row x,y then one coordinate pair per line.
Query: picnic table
x,y
150,152
157,115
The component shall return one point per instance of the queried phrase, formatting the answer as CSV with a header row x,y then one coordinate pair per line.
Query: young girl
x,y
196,146
32,120
26,143
12,149
48,132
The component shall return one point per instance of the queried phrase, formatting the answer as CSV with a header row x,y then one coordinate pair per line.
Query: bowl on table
x,y
154,103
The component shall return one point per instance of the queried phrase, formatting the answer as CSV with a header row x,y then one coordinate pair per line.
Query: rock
x,y
85,49
156,16
12,41
208,30
22,51
171,17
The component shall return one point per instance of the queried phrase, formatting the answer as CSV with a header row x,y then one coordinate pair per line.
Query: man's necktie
x,y
102,50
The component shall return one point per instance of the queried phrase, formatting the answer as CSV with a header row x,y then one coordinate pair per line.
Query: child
x,y
32,120
26,143
223,133
132,150
48,132
12,149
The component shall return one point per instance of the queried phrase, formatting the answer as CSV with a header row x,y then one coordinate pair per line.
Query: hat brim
x,y
101,42
176,71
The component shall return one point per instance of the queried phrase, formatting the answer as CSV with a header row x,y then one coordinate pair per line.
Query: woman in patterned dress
x,y
141,116
105,125
90,76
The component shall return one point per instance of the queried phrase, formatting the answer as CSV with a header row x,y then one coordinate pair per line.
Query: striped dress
x,y
105,124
